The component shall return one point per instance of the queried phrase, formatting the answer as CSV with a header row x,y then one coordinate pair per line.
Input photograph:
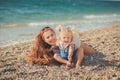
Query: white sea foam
x,y
13,42
41,23
102,16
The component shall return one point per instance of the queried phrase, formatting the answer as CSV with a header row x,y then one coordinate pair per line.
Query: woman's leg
x,y
87,49
79,56
84,48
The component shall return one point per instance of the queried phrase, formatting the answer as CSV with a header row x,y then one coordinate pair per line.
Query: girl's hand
x,y
70,58
68,63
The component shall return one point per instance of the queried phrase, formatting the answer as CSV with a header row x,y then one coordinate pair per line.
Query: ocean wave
x,y
13,25
86,19
102,16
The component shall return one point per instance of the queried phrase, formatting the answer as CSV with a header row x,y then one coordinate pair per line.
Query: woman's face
x,y
50,37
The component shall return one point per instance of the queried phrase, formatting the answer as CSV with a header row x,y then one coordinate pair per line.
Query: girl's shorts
x,y
65,55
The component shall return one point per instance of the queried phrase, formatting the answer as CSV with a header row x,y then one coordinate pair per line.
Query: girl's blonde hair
x,y
62,28
66,31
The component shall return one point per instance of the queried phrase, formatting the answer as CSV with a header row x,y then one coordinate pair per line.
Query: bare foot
x,y
78,67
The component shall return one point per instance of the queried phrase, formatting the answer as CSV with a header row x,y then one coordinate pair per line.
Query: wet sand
x,y
104,65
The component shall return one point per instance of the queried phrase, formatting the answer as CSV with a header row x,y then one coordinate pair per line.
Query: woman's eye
x,y
48,37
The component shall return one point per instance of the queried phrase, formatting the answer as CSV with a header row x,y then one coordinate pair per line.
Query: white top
x,y
77,42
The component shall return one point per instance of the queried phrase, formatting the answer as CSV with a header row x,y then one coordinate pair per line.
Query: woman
x,y
45,43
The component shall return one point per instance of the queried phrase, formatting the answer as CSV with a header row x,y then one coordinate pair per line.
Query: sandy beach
x,y
104,65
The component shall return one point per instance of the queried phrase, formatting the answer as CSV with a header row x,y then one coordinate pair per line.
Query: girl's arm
x,y
70,53
61,60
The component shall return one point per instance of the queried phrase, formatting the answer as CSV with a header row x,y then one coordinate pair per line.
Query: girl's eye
x,y
51,34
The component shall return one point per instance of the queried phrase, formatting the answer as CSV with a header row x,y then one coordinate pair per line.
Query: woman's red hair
x,y
41,52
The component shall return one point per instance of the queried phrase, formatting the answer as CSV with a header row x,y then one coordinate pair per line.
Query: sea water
x,y
21,20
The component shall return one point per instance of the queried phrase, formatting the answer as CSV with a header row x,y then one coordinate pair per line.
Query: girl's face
x,y
66,37
50,37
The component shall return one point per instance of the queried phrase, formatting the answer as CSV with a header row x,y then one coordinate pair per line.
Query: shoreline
x,y
30,36
80,33
104,66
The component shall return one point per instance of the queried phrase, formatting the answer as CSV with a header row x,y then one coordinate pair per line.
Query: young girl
x,y
68,49
65,45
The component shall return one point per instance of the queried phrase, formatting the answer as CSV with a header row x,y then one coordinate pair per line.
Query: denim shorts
x,y
65,55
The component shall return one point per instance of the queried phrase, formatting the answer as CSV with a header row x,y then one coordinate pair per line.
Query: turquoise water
x,y
27,11
26,17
